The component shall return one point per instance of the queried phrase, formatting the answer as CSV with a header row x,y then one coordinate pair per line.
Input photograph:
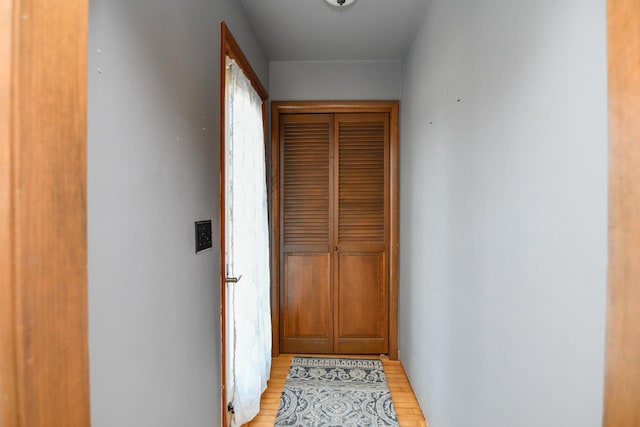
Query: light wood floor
x,y
404,401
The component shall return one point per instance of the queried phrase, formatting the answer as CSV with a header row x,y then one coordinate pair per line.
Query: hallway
x,y
407,407
503,183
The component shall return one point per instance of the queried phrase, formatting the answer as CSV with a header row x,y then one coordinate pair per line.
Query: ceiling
x,y
307,30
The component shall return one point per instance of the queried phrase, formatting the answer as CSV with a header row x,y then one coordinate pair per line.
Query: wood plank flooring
x,y
407,407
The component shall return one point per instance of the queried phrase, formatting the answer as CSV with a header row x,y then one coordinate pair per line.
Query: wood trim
x,y
622,380
275,232
229,47
394,232
221,226
44,368
293,107
8,372
297,107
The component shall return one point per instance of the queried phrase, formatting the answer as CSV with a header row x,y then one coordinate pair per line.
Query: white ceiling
x,y
306,30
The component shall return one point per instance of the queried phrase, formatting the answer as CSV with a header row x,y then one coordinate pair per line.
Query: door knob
x,y
335,248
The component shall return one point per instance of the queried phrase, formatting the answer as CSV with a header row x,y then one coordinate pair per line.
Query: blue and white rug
x,y
321,392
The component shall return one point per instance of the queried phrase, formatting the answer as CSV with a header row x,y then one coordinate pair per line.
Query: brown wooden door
x,y
306,182
334,222
360,233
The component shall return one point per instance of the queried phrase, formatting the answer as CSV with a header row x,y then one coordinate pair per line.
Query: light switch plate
x,y
204,238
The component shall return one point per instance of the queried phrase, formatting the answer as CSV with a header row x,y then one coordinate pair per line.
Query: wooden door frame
x,y
622,378
44,362
290,107
230,47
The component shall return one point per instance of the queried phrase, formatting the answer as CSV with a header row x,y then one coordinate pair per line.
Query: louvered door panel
x,y
306,181
361,181
361,224
306,187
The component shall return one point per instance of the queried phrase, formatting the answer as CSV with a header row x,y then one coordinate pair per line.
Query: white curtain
x,y
249,320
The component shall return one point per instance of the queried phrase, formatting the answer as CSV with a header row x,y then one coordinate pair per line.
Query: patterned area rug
x,y
322,392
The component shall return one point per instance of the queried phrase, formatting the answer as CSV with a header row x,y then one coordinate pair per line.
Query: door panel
x,y
305,157
361,295
361,233
307,303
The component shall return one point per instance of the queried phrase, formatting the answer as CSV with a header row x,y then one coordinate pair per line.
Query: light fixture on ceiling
x,y
340,4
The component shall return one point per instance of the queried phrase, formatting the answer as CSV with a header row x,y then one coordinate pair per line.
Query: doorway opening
x,y
334,210
244,237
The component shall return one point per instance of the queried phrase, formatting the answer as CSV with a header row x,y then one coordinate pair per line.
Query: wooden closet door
x,y
360,233
306,182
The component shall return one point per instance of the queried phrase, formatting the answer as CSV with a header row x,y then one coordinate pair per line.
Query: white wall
x,y
334,80
504,213
152,171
